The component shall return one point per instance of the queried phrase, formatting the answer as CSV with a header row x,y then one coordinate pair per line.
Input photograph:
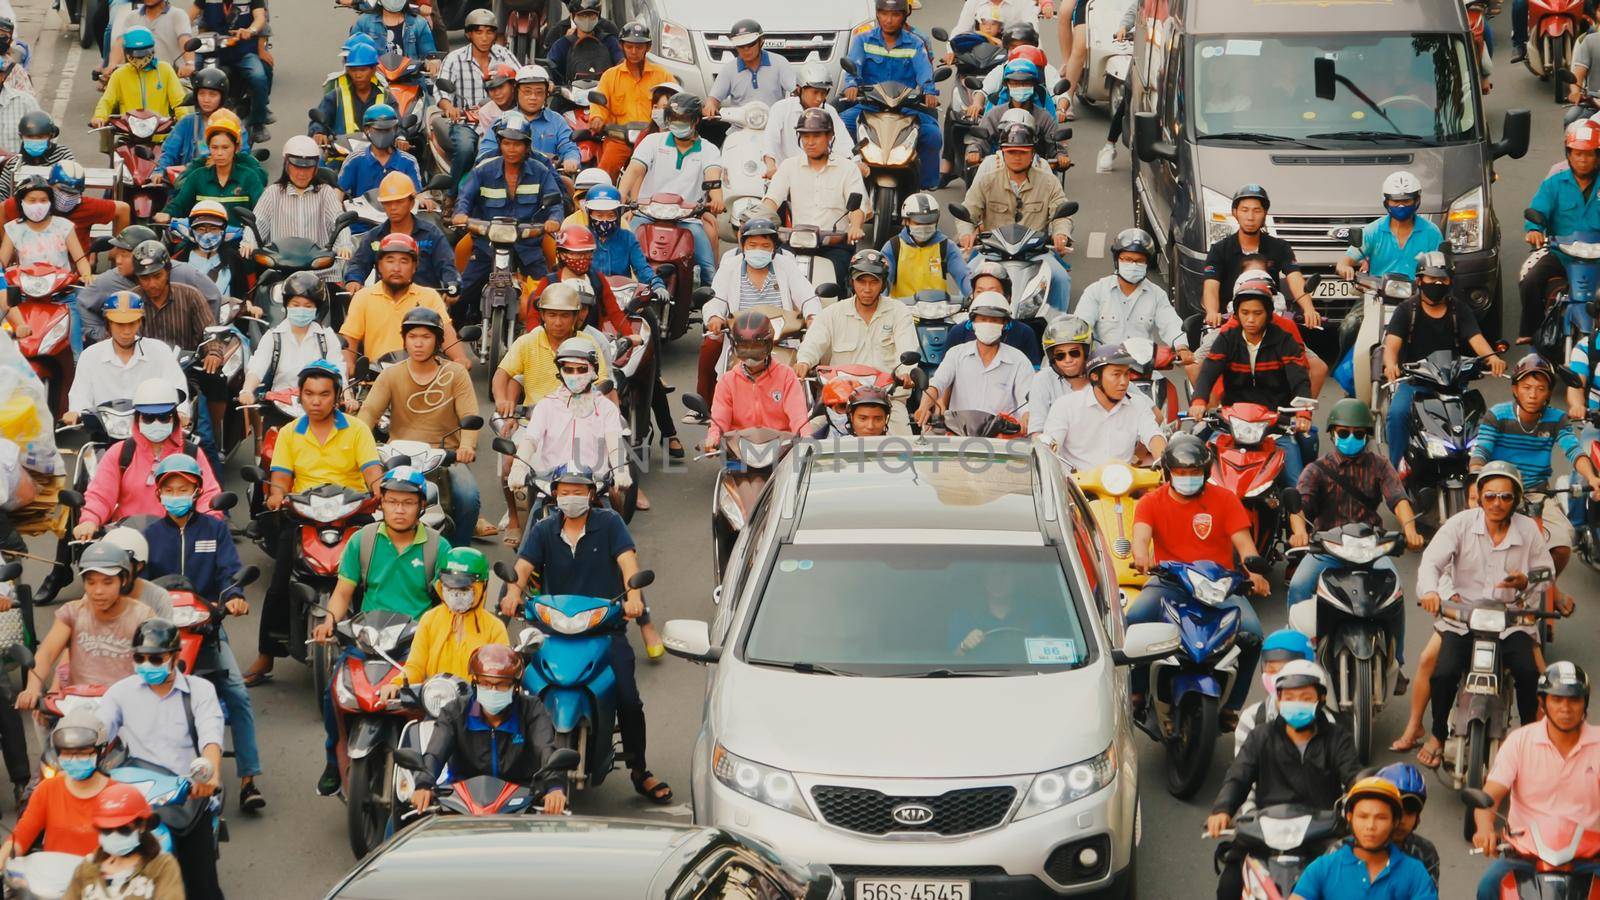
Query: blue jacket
x,y
201,551
907,62
362,172
552,136
1018,334
185,143
955,264
1566,211
416,33
436,268
620,254
484,195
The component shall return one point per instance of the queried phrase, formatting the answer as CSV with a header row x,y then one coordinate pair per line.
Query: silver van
x,y
1316,102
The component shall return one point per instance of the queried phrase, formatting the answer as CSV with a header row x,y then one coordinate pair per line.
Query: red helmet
x,y
752,327
575,239
120,804
1583,136
495,661
1028,52
838,391
399,243
502,73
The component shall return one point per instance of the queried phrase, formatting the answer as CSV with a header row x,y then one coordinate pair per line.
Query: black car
x,y
558,857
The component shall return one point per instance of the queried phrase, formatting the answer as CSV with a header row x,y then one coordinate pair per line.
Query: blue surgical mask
x,y
208,240
681,130
494,700
1350,445
36,146
79,769
1132,272
1188,485
603,228
1021,94
300,316
1403,213
178,506
116,844
758,259
153,673
1298,713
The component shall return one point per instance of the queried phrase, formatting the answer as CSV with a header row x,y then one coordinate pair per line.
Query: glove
x,y
624,478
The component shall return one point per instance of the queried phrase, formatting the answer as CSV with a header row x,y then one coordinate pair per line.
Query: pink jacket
x,y
772,399
115,493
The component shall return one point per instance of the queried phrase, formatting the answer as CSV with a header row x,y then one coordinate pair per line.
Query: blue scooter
x,y
178,810
936,313
1569,315
570,670
1187,688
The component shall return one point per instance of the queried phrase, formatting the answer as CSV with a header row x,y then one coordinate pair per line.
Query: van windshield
x,y
1412,89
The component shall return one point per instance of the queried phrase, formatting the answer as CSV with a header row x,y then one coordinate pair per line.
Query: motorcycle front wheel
x,y
1190,747
885,219
494,333
1363,711
367,809
1476,768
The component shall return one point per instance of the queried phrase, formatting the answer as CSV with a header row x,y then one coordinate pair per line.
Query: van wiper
x,y
1374,137
807,668
1256,137
957,673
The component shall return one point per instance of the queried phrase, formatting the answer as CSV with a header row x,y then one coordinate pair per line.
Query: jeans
x,y
930,141
1303,587
204,435
1147,608
463,143
1397,427
330,718
630,707
76,334
1293,460
229,681
254,72
705,258
1455,658
1519,23
464,504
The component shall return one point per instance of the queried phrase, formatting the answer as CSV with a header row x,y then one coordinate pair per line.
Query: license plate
x,y
1336,290
912,889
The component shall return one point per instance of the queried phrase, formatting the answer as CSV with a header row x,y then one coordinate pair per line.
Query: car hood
x,y
1298,179
914,727
821,16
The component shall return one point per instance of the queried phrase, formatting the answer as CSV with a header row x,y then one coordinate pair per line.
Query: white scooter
x,y
1109,59
744,170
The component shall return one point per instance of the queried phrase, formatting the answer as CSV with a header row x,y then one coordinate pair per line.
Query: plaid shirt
x,y
1328,505
181,322
462,69
14,104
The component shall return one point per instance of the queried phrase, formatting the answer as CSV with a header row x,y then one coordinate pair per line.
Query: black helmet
x,y
155,636
31,183
305,284
422,317
584,6
37,124
868,395
149,257
744,33
814,121
758,226
903,6
1252,192
1136,240
634,33
1564,679
684,105
211,78
1023,33
133,236
869,262
1185,451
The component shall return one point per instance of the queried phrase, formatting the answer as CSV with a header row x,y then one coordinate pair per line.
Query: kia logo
x,y
912,814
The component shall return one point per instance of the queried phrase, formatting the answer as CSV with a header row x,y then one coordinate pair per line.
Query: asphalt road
x,y
298,848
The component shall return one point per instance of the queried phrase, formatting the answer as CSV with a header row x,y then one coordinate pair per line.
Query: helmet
x,y
575,239
151,257
1401,185
1374,788
892,6
227,121
666,87
120,804
994,270
208,209
154,395
990,303
685,106
1408,780
381,115
137,38
1016,136
579,7
319,368
756,227
1136,240
814,121
107,559
1351,413
29,184
533,75
1066,330
1108,355
130,539
1302,673
69,175
814,75
513,126
1533,364
921,209
575,473
396,186
178,464
495,661
499,74
602,198
578,348
867,395
303,150
481,18
422,317
1028,52
80,729
1185,451
463,567
360,54
751,327
869,262
123,306
1564,679
404,480
1252,192
1286,644
744,33
838,392
155,636
559,297
133,236
305,284
589,179
1433,264
1583,136
1020,68
394,242
634,33
210,78
37,124
1022,33
1254,283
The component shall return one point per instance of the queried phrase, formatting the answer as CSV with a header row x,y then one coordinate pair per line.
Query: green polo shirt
x,y
396,582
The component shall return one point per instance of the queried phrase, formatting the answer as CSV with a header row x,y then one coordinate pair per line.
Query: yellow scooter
x,y
1112,489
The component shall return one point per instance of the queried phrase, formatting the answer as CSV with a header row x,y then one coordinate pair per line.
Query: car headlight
x,y
55,337
1487,620
729,506
1218,212
1464,222
1438,447
674,43
578,623
1059,787
774,787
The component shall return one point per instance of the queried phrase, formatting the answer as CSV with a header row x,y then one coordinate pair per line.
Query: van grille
x,y
1310,233
792,46
1393,159
954,812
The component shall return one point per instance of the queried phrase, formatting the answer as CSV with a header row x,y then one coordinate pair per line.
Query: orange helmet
x,y
575,239
1583,136
838,391
224,120
119,804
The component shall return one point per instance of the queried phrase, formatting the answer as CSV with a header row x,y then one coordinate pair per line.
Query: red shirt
x,y
609,310
66,821
91,211
1190,530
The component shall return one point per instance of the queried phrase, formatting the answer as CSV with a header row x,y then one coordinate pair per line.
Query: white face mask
x,y
573,506
988,332
459,600
921,233
36,210
1132,272
155,432
577,384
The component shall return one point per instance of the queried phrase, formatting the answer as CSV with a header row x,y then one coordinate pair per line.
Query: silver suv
x,y
915,675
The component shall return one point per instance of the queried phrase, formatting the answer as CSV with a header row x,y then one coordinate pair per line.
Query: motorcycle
x,y
1041,285
1187,688
134,151
416,98
41,875
1347,622
1150,360
502,293
48,293
669,248
206,46
634,372
1554,27
749,456
936,313
1249,462
887,142
282,408
277,259
1444,419
572,103
1279,841
371,723
1111,489
1549,853
807,243
744,170
1568,313
1361,331
230,423
199,619
974,57
178,811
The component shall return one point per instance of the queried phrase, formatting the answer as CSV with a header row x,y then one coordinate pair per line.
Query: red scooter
x,y
669,246
1553,30
572,102
1549,852
136,180
1249,461
372,725
46,307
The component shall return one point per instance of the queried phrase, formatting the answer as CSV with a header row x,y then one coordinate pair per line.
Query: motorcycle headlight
x,y
728,504
1487,620
578,623
143,126
38,285
55,337
1218,213
118,427
1117,480
1360,550
330,536
663,212
438,691
326,509
189,616
405,784
1059,787
343,693
1247,432
1284,834
774,787
674,43
1464,222
1437,447
803,240
1483,658
502,233
1208,591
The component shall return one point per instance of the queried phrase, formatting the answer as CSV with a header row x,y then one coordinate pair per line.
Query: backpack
x,y
125,457
277,352
366,540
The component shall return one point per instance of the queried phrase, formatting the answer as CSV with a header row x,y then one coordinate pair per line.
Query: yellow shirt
x,y
532,358
629,97
348,452
157,90
436,650
373,321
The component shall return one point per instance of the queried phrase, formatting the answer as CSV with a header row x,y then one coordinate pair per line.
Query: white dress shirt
x,y
780,140
102,376
294,354
999,388
816,196
1086,434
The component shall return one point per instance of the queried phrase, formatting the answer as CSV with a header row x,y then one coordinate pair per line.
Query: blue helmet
x,y
138,39
123,306
381,114
360,54
179,463
406,480
68,175
1021,68
1286,644
574,473
1408,778
320,368
602,197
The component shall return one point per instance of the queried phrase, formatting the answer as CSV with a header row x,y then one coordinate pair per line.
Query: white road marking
x,y
64,82
1097,244
681,811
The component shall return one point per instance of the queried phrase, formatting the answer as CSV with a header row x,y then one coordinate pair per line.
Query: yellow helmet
x,y
224,120
396,186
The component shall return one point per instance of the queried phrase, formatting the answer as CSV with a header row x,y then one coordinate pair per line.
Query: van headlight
x,y
1464,222
675,44
774,787
1218,210
1059,787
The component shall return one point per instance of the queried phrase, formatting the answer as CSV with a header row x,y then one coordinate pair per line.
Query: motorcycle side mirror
x,y
919,379
191,45
224,501
100,245
562,760
1256,564
1067,209
1062,87
1475,798
1534,216
363,369
1192,328
940,34
70,499
409,123
830,291
472,423
1063,133
445,85
960,213
407,758
245,213
504,572
910,358
253,474
316,115
852,203
642,579
1501,346
440,182
189,99
19,653
247,576
10,571
702,295
1312,282
943,73
696,404
598,98
504,445
1542,575
260,153
847,64
469,333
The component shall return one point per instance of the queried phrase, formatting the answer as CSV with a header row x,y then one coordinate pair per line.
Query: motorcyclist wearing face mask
x,y
575,424
1066,347
39,235
754,392
588,48
498,730
921,257
127,856
758,275
37,134
679,161
364,170
1392,243
67,182
988,275
1129,304
294,343
1188,520
393,26
215,251
449,635
61,810
143,82
1421,326
1021,91
986,375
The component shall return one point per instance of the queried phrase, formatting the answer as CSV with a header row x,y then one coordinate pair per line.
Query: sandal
x,y
660,793
1431,754
485,528
257,679
512,537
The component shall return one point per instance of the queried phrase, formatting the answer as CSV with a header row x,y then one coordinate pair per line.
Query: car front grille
x,y
795,47
954,812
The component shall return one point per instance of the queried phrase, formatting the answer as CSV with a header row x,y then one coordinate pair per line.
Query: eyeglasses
x,y
158,658
1497,496
1350,432
1059,355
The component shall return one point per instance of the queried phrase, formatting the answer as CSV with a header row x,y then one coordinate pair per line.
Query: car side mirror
x,y
1147,140
1145,643
1515,132
691,639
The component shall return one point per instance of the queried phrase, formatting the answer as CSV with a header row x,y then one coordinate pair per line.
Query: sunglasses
x,y
1497,496
158,417
150,658
1060,355
130,828
1350,432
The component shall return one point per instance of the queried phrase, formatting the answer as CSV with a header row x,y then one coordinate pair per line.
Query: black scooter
x,y
1279,842
1445,413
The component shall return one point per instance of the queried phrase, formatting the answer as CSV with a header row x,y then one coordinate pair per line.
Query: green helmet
x,y
463,567
1351,413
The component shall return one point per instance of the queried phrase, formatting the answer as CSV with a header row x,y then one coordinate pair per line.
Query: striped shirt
x,y
180,322
461,68
751,296
14,104
1501,436
287,211
8,169
1578,362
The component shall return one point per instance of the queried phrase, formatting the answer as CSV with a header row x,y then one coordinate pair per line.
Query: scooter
x,y
568,668
744,171
47,297
1361,331
41,875
434,463
1147,376
1040,281
231,426
178,811
808,242
371,724
109,423
480,795
1445,413
936,313
634,371
1347,621
1279,842
975,55
502,293
206,47
669,248
199,619
1187,688
271,411
135,179
1554,27
276,260
1249,461
1549,852
1112,489
886,141
1568,316
749,456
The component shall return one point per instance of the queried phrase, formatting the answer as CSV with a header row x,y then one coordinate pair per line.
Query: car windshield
x,y
1411,89
933,610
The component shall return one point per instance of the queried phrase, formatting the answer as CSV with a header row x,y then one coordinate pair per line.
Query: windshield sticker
x,y
1209,52
805,565
788,565
1051,652
1238,47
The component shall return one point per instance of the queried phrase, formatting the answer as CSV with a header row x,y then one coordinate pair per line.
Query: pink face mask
x,y
1269,682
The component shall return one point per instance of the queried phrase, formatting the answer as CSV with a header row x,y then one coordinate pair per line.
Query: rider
x,y
756,275
679,161
436,264
755,393
1372,810
1567,203
216,253
817,183
143,82
749,74
468,68
300,203
294,343
1420,327
61,810
869,411
121,278
532,357
1026,100
67,182
585,52
372,323
449,634
1278,650
890,51
1127,304
126,853
1066,344
246,21
1015,193
1413,788
395,28
497,730
187,141
124,479
1106,423
782,138
365,169
1391,243
426,398
627,88
552,136
1225,258
576,424
179,316
226,176
862,330
109,368
200,549
985,375
37,133
920,256
95,631
514,184
347,100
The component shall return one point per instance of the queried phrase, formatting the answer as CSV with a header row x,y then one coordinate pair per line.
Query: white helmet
x,y
1299,673
1015,116
155,393
814,75
589,178
531,74
131,540
301,146
990,303
1402,185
